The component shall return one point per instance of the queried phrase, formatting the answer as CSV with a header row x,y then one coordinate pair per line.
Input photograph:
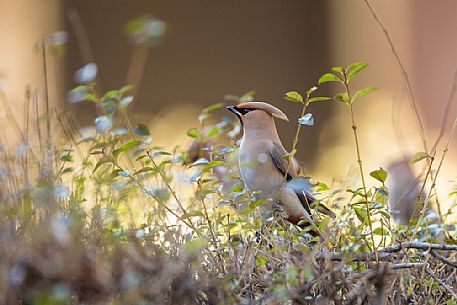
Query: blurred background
x,y
210,49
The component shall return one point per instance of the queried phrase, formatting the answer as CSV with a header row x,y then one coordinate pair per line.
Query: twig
x,y
444,259
419,196
446,110
406,266
427,199
443,284
412,100
418,245
361,256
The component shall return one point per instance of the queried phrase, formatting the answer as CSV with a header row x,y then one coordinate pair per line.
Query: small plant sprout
x,y
304,119
344,77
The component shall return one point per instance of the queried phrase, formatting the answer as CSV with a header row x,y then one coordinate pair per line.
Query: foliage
x,y
112,218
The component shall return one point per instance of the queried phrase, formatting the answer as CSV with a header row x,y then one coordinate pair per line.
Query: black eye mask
x,y
244,111
240,111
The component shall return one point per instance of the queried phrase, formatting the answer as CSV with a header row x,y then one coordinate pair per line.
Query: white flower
x,y
61,192
124,173
76,95
87,133
58,38
86,74
125,101
307,119
103,124
155,28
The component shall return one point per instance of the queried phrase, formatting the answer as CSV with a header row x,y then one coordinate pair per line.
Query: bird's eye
x,y
246,110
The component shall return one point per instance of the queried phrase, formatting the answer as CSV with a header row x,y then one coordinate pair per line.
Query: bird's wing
x,y
298,184
278,154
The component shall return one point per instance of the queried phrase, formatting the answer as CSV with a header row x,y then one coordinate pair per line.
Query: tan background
x,y
270,46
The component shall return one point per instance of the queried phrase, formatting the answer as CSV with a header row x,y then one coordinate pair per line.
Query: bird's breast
x,y
258,170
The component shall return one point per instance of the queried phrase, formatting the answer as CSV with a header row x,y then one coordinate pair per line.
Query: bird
x,y
223,173
264,165
404,189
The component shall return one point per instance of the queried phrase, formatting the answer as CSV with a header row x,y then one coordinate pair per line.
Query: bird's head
x,y
257,114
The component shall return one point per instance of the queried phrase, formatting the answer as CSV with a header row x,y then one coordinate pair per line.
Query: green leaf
x,y
337,70
195,246
380,231
200,162
90,97
247,97
380,175
111,94
192,214
213,132
144,170
361,214
213,107
419,156
141,130
160,153
194,133
362,92
211,165
262,261
66,158
353,69
102,161
329,77
322,187
80,88
68,170
126,147
293,96
311,90
232,98
318,99
126,88
342,97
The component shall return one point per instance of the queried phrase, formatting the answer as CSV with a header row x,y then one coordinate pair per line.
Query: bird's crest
x,y
265,107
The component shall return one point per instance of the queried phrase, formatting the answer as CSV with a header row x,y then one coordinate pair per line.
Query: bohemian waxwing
x,y
263,164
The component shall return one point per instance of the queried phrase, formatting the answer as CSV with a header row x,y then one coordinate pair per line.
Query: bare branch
x,y
406,266
361,256
447,110
419,245
444,259
412,99
443,284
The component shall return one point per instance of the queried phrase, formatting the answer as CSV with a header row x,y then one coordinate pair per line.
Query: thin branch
x,y
360,256
444,259
412,99
446,111
443,284
406,266
418,245
427,199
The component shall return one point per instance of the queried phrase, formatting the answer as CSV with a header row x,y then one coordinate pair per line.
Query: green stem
x,y
295,141
359,161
